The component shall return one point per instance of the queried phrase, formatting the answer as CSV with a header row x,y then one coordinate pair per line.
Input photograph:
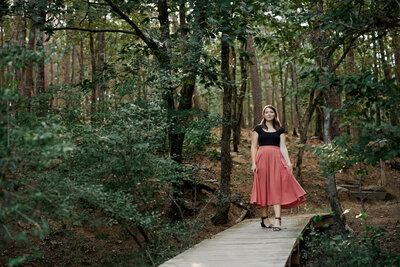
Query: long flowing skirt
x,y
274,183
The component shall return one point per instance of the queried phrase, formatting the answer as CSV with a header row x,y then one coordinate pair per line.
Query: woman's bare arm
x,y
284,151
254,146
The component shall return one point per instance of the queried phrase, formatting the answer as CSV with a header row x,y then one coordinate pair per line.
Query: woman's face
x,y
269,114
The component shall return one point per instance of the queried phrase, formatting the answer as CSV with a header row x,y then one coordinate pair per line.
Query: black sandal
x,y
277,228
263,225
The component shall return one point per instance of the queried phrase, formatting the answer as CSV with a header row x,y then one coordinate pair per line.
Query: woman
x,y
274,183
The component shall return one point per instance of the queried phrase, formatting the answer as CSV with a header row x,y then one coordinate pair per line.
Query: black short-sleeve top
x,y
268,138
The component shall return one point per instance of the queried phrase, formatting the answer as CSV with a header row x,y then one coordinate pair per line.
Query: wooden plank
x,y
245,244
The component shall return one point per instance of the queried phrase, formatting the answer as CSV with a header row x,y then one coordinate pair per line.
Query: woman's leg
x,y
264,215
277,209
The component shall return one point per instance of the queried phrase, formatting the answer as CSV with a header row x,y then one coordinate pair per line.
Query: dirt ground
x,y
105,245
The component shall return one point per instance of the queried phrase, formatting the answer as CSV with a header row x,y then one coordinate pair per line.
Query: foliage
x,y
372,142
324,248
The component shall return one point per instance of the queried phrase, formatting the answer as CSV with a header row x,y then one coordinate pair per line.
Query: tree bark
x,y
94,73
249,122
324,62
81,63
239,114
388,75
21,42
267,82
41,79
303,129
319,122
283,93
396,51
100,64
295,118
376,73
73,63
255,82
277,96
29,69
223,205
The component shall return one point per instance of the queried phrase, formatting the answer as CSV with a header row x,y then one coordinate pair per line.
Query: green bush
x,y
322,248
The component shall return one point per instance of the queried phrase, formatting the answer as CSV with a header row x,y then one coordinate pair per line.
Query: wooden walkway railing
x,y
245,244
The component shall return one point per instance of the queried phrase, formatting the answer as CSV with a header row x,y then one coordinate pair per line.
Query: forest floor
x,y
106,245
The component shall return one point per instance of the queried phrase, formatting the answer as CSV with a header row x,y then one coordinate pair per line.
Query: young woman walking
x,y
274,183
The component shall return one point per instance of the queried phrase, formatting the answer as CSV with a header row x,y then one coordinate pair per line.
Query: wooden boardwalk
x,y
245,244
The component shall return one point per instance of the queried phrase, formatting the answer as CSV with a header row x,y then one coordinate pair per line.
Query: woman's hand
x,y
290,167
254,168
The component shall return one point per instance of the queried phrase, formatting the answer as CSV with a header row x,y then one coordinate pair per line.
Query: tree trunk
x,y
267,85
376,73
277,96
255,82
396,51
303,129
21,42
323,61
249,122
295,118
242,93
73,63
67,63
388,75
41,80
223,205
100,65
81,63
234,93
319,122
29,69
94,73
283,93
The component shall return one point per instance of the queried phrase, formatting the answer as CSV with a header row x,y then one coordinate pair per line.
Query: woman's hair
x,y
276,123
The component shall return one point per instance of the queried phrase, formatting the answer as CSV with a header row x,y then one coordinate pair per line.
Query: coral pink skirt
x,y
274,183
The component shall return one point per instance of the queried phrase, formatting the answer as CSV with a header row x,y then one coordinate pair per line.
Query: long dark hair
x,y
276,123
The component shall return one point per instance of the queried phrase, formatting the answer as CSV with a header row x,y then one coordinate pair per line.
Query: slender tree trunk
x,y
73,63
255,81
21,42
242,93
295,118
186,94
94,73
319,122
81,63
196,99
29,69
267,82
100,65
249,122
388,73
376,73
283,93
303,129
277,97
396,51
2,70
329,101
67,63
223,206
234,94
41,80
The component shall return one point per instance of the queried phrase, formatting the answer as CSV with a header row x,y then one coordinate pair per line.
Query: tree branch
x,y
92,30
334,67
151,43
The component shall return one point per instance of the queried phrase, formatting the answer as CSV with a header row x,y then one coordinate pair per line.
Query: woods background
x,y
106,104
